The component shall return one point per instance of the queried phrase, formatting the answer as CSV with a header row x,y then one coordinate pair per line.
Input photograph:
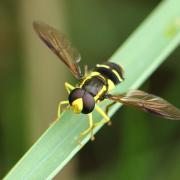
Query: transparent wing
x,y
149,103
60,45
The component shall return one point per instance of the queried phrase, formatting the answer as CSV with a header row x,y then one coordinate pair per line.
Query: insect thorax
x,y
102,79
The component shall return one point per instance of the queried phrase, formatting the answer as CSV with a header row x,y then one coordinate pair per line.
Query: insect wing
x,y
149,103
60,45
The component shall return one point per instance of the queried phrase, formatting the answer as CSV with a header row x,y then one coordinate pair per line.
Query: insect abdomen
x,y
112,72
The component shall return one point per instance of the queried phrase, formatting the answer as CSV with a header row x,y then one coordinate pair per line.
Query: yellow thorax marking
x,y
110,85
77,105
103,89
90,76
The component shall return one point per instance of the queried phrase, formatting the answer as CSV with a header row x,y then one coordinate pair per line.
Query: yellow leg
x,y
59,107
85,70
69,87
103,114
109,106
89,129
107,110
59,110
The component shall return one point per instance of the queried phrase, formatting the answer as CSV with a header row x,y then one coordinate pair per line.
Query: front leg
x,y
68,87
59,107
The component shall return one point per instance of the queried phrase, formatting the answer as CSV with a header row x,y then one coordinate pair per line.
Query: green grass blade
x,y
140,55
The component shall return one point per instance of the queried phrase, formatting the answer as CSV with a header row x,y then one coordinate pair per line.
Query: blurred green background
x,y
137,145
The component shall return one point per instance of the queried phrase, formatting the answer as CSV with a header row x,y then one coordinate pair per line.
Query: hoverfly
x,y
95,86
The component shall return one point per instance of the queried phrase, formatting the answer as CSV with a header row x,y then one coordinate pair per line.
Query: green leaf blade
x,y
140,55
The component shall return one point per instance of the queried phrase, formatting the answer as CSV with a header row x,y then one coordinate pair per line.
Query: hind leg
x,y
107,110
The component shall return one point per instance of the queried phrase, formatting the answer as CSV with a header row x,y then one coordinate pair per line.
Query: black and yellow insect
x,y
95,86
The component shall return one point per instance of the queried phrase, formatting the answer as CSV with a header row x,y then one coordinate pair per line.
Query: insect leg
x,y
59,107
89,129
109,106
107,110
85,70
103,114
69,87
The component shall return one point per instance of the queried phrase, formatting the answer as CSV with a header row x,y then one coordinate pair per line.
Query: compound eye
x,y
88,103
76,94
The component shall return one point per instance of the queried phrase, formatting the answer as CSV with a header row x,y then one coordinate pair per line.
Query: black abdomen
x,y
110,71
